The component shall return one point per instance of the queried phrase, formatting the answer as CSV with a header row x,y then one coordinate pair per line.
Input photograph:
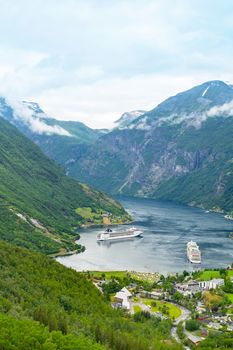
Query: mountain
x,y
40,207
187,106
182,150
60,140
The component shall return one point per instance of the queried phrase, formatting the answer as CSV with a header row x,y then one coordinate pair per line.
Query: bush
x,y
142,316
192,325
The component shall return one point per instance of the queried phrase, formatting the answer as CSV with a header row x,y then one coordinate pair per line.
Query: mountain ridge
x,y
181,138
150,153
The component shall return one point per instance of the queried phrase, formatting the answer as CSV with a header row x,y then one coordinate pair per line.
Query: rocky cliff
x,y
182,150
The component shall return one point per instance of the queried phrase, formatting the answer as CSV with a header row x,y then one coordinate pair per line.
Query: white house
x,y
122,298
212,284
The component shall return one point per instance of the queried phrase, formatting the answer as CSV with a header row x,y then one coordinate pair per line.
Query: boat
x,y
228,217
193,252
110,235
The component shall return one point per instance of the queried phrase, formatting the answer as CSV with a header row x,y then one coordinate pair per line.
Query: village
x,y
197,303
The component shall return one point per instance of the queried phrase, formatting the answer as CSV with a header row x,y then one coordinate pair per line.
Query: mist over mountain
x,y
60,140
181,150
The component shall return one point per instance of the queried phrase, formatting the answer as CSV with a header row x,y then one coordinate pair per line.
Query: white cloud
x,y
225,109
92,61
22,112
197,119
39,127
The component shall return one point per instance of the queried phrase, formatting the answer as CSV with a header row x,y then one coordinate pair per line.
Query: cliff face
x,y
180,153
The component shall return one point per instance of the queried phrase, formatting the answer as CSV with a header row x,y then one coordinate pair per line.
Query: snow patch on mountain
x,y
143,124
35,107
205,91
127,118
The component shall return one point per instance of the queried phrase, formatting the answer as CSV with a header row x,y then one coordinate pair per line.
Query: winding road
x,y
185,313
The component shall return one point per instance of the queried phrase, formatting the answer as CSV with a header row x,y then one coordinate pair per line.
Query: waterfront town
x,y
197,304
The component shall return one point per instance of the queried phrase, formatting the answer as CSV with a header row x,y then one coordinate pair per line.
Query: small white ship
x,y
228,217
193,253
110,235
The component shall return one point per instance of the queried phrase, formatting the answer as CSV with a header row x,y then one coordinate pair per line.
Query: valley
x,y
116,175
186,158
179,151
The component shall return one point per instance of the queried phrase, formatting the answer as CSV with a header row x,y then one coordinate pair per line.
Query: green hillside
x,y
25,334
39,200
211,183
60,148
72,313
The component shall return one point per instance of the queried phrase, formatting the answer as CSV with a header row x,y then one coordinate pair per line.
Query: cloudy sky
x,y
92,60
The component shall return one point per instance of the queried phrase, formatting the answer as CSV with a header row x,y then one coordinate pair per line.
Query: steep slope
x,y
182,150
35,192
37,288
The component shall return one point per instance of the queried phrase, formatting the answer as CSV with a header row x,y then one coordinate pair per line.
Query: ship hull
x,y
196,262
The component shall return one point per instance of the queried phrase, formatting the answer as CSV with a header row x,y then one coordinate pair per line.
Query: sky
x,y
93,60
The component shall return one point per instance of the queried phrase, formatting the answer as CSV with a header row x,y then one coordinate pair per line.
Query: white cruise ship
x,y
193,252
110,235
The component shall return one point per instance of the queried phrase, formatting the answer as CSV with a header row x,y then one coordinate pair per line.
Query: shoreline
x,y
216,210
64,253
89,225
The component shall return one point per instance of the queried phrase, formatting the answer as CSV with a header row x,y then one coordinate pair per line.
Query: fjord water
x,y
167,229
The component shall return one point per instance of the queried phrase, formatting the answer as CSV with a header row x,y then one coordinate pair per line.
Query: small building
x,y
194,339
188,288
122,299
212,284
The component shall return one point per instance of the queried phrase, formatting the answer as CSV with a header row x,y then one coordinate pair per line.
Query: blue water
x,y
167,228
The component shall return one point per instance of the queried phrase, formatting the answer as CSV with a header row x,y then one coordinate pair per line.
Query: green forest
x,y
58,308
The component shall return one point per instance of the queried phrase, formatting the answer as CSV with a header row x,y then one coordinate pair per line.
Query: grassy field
x,y
209,274
108,274
230,297
136,308
88,214
172,310
140,276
